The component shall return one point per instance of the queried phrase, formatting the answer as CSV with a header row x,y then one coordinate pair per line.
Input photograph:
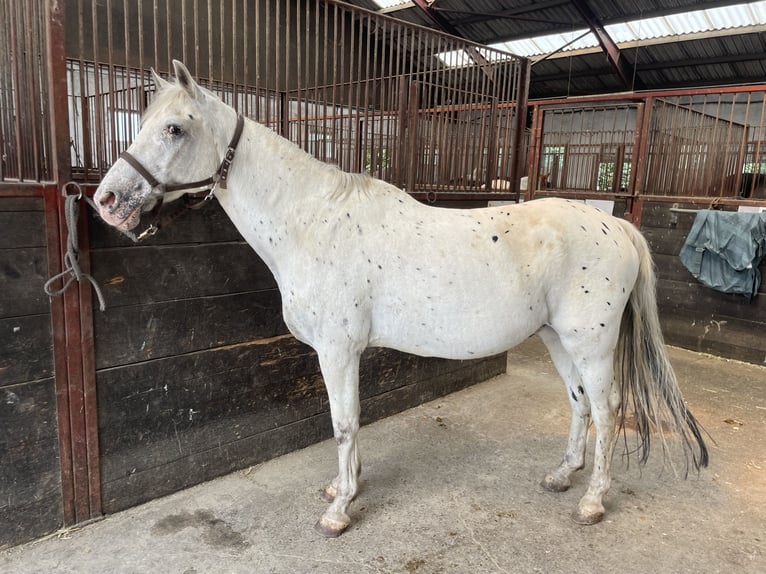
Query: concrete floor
x,y
452,487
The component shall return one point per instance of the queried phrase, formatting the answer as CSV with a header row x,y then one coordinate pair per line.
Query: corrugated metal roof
x,y
696,21
675,47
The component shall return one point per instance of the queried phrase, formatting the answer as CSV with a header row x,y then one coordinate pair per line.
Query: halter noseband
x,y
218,179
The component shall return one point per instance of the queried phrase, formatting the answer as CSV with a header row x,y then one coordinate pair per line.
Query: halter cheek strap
x,y
218,179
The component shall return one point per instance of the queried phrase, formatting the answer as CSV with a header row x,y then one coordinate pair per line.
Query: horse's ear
x,y
185,80
159,82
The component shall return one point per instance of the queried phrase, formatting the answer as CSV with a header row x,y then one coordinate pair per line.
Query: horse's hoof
x,y
328,493
587,517
552,484
332,525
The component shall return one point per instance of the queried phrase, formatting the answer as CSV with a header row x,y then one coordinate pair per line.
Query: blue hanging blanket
x,y
724,248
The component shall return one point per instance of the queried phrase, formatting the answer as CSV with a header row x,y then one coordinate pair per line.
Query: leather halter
x,y
218,179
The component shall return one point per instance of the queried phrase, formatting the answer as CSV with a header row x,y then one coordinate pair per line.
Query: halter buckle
x,y
148,232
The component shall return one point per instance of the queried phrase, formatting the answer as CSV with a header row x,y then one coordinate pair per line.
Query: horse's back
x,y
464,283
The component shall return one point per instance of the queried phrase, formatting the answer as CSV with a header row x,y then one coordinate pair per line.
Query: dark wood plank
x,y
278,379
23,273
666,241
694,297
172,465
24,522
126,490
735,339
25,349
22,229
19,204
146,402
30,478
131,334
151,274
454,376
658,214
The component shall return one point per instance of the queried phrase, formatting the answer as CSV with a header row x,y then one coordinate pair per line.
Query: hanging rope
x,y
72,256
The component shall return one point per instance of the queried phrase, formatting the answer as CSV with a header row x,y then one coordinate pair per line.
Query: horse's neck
x,y
272,185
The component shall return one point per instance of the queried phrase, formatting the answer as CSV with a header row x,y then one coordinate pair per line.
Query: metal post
x,y
71,318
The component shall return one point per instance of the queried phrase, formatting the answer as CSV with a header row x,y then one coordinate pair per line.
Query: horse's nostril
x,y
107,199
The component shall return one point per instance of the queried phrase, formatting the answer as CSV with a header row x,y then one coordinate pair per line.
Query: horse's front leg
x,y
341,376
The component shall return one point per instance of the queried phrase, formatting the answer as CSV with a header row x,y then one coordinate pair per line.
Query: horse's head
x,y
179,142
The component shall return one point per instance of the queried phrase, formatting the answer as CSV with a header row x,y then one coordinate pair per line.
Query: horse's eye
x,y
174,130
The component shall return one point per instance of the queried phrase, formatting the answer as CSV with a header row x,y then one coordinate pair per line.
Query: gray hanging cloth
x,y
724,248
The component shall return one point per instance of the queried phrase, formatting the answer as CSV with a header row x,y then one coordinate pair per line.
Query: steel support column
x,y
71,315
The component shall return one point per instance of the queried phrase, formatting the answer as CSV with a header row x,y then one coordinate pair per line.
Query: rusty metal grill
x,y
25,138
708,145
690,144
418,108
588,148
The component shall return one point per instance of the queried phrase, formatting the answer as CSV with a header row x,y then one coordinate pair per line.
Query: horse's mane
x,y
348,185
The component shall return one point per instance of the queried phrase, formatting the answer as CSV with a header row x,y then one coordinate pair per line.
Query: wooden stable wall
x,y
30,476
694,316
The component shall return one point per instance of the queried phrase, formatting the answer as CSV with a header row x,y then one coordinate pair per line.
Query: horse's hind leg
x,y
597,374
559,479
341,376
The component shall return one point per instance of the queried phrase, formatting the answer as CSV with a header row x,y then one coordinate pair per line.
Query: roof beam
x,y
685,63
473,17
438,20
443,24
682,39
608,46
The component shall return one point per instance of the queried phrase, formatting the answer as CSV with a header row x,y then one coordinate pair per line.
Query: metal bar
x,y
257,64
682,210
209,44
184,40
197,41
399,172
742,148
535,151
141,63
608,45
61,382
412,136
67,441
637,140
756,156
574,100
18,124
75,391
57,91
726,146
155,28
519,125
38,111
86,344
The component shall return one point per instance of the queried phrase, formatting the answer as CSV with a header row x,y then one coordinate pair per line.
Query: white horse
x,y
359,263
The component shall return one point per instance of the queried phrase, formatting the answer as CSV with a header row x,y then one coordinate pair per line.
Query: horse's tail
x,y
648,383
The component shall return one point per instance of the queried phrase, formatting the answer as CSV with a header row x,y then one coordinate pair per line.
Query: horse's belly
x,y
457,332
